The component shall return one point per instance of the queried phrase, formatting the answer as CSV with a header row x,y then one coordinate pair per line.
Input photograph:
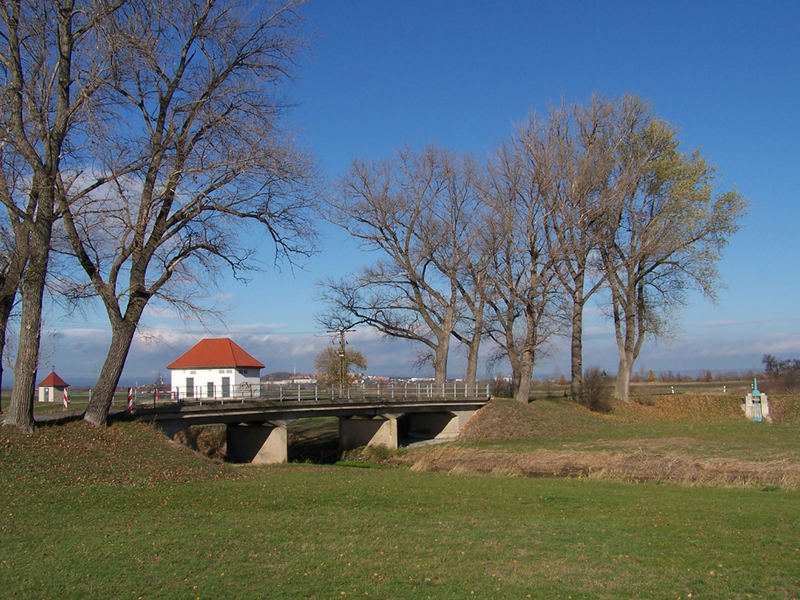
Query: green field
x,y
120,512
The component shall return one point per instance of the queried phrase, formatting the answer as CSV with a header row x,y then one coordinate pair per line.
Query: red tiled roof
x,y
53,380
211,353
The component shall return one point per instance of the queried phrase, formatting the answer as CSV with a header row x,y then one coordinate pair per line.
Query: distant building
x,y
304,379
215,368
52,388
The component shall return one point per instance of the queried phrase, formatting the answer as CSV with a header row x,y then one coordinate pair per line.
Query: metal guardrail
x,y
270,393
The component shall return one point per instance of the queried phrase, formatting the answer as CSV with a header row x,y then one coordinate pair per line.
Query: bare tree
x,y
50,77
522,271
473,284
414,211
569,154
662,231
460,254
198,161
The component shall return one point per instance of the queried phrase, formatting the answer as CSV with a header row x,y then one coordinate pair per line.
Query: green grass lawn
x,y
120,513
325,532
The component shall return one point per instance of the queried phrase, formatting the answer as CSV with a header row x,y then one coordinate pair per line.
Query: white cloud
x,y
78,352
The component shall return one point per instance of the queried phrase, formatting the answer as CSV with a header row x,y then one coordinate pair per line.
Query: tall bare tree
x,y
413,210
473,284
199,161
523,290
50,78
569,154
459,253
662,232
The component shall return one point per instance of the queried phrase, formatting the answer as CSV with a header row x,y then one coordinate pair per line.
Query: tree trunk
x,y
8,294
472,365
576,364
5,310
623,385
523,390
440,363
474,348
103,392
20,411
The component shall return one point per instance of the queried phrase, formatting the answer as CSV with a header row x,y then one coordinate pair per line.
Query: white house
x,y
215,368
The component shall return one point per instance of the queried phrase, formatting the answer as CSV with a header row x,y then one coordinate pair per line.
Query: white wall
x,y
238,378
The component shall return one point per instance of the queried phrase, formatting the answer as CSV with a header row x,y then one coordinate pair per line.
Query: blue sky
x,y
382,74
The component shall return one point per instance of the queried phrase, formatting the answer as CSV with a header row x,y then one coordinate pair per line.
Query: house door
x,y
226,387
190,387
47,394
210,389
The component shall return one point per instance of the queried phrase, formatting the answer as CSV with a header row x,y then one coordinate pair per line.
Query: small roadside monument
x,y
52,388
756,405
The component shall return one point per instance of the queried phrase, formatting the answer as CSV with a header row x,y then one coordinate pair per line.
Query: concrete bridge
x,y
258,434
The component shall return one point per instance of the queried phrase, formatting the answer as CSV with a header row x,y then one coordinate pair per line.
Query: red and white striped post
x,y
66,399
130,399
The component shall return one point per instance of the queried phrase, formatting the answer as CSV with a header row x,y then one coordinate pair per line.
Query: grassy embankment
x,y
685,439
124,513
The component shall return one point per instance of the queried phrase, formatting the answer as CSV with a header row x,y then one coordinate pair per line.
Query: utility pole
x,y
342,358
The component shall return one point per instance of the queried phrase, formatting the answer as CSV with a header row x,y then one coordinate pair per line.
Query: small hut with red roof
x,y
52,388
215,368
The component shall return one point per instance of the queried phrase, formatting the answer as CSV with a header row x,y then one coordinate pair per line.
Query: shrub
x,y
502,388
596,393
783,375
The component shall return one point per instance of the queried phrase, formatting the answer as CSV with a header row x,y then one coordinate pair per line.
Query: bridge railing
x,y
312,393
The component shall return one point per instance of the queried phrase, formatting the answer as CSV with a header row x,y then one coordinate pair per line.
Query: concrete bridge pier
x,y
391,430
258,443
379,431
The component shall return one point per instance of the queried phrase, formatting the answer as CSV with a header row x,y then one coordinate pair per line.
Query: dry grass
x,y
509,420
125,454
603,450
638,465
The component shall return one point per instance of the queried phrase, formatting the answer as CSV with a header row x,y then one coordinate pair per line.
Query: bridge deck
x,y
261,412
